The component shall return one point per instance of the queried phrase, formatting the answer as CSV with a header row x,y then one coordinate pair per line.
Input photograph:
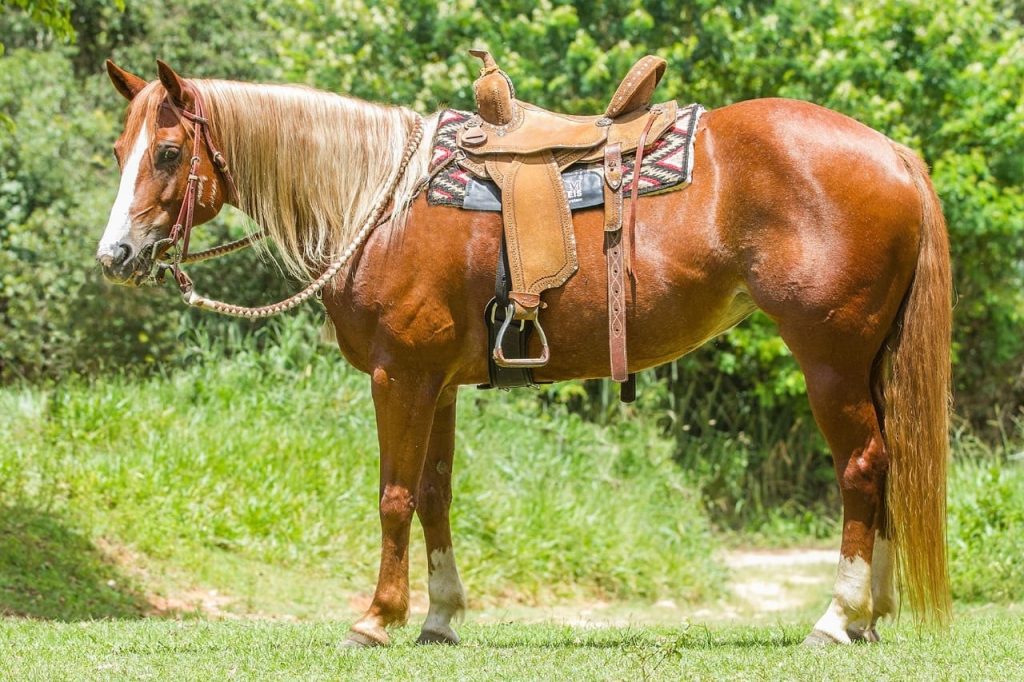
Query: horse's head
x,y
154,152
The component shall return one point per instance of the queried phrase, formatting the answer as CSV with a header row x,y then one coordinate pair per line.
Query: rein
x,y
182,229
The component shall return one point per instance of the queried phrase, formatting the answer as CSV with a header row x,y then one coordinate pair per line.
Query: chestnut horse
x,y
829,227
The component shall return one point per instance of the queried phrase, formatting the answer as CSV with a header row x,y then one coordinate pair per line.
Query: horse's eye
x,y
168,154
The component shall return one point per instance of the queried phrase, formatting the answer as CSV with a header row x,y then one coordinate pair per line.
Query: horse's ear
x,y
128,84
175,85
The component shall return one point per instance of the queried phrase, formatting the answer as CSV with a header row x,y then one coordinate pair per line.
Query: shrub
x,y
986,523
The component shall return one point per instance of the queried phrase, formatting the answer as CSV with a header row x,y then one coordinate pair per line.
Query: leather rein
x,y
177,242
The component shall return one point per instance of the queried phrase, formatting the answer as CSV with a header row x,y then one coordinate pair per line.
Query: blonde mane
x,y
310,165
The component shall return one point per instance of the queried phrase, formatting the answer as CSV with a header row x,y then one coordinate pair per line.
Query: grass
x,y
238,496
985,643
268,462
986,530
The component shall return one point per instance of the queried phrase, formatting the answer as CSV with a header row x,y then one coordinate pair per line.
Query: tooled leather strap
x,y
613,256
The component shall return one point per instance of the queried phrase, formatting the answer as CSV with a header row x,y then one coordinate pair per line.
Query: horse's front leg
x,y
447,596
405,404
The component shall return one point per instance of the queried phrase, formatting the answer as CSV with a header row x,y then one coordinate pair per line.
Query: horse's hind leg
x,y
447,596
838,372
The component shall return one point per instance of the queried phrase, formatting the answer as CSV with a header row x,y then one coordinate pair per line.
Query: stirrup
x,y
499,353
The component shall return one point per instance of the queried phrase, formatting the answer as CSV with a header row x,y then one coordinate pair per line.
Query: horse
x,y
830,228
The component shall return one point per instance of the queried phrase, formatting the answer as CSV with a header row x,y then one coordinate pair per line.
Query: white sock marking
x,y
120,223
851,600
447,596
883,587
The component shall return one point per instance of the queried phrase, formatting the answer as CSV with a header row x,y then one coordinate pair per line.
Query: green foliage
x,y
986,525
53,16
943,77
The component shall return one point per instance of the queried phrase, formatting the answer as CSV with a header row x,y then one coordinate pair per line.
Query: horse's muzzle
x,y
125,264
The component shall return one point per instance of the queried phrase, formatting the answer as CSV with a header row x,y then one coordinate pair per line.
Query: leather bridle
x,y
181,231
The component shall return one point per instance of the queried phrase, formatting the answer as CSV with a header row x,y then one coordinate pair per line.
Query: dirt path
x,y
763,585
770,581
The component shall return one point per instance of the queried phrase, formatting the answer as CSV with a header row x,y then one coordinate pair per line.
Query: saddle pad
x,y
667,166
584,187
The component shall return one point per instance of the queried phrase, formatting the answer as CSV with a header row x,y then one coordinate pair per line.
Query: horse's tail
x,y
916,391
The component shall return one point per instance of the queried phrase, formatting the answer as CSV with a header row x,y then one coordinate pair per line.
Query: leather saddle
x,y
523,149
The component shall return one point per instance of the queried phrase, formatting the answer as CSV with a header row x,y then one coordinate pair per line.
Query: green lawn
x,y
221,521
985,644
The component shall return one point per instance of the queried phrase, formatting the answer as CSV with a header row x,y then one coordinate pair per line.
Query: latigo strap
x,y
616,265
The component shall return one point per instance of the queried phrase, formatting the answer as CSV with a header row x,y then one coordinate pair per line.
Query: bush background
x,y
943,76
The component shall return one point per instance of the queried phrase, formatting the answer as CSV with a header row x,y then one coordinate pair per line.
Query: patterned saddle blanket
x,y
667,165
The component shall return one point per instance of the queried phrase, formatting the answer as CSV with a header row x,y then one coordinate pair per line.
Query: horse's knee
x,y
397,505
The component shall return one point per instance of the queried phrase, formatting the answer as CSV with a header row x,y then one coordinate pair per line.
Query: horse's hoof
x,y
817,639
434,637
360,640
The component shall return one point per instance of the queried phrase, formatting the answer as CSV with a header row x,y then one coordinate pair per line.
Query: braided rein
x,y
183,229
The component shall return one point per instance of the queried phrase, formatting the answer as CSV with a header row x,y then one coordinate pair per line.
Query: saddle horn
x,y
495,94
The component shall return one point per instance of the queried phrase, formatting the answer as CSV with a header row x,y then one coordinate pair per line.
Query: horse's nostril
x,y
123,253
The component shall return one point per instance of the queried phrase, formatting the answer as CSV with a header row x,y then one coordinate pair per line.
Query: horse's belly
x,y
686,290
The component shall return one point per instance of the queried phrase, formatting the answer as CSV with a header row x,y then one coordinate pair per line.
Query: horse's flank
x,y
310,165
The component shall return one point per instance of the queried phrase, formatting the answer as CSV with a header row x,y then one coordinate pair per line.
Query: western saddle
x,y
523,149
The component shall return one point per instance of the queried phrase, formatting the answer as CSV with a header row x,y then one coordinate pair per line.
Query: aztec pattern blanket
x,y
667,166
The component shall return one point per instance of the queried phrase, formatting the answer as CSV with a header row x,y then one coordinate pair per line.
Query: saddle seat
x,y
506,125
523,148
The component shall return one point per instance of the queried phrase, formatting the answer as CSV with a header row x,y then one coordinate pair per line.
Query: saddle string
x,y
183,228
630,231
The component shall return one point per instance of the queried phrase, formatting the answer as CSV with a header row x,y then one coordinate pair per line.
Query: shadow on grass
x,y
49,571
658,638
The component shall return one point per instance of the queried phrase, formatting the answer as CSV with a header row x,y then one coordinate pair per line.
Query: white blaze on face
x,y
120,221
